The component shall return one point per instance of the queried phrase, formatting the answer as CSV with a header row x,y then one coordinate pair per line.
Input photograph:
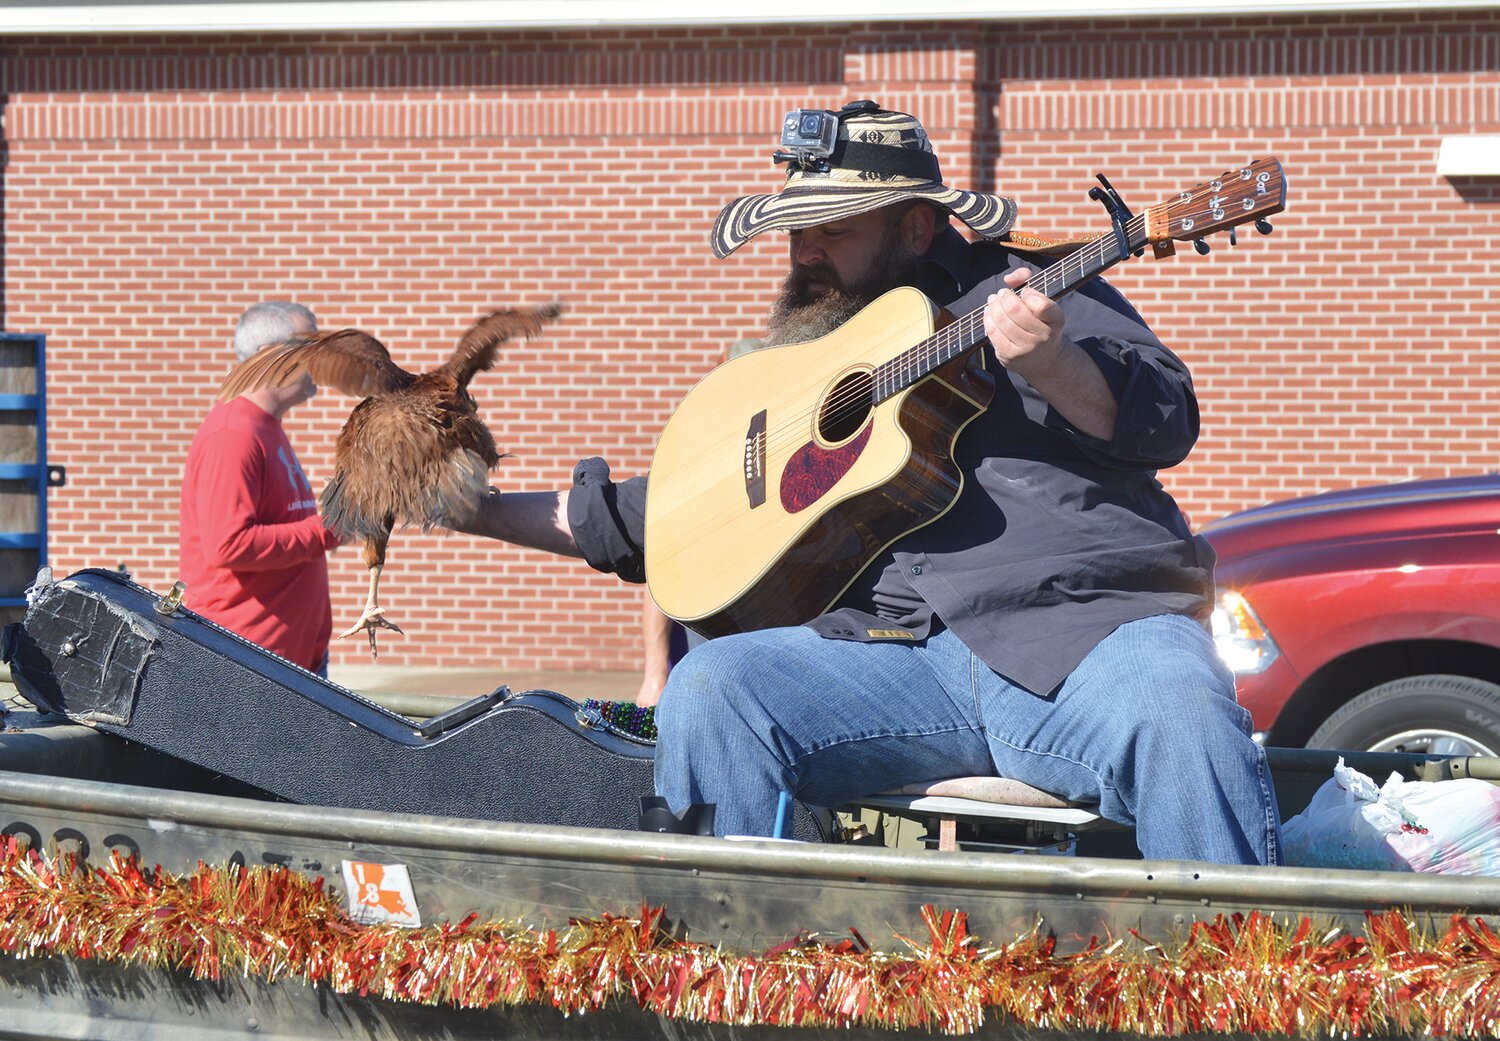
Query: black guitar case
x,y
101,650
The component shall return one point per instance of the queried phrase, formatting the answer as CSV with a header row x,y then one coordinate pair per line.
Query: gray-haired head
x,y
271,321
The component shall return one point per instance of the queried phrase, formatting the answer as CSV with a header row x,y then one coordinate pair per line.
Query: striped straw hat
x,y
879,158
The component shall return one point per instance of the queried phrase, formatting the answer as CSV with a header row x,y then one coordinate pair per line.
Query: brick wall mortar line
x,y
1148,107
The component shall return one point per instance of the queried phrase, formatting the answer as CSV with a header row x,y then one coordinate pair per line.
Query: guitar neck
x,y
1056,281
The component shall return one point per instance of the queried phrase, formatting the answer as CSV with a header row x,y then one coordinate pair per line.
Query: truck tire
x,y
1444,715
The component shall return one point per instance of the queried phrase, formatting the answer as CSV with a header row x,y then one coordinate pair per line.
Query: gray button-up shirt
x,y
1057,538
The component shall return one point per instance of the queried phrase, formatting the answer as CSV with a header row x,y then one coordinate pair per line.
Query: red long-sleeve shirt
x,y
250,542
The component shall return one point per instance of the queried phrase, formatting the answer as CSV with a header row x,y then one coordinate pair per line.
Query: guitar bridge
x,y
755,460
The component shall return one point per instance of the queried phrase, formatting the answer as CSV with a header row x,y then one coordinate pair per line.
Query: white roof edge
x,y
1469,155
77,16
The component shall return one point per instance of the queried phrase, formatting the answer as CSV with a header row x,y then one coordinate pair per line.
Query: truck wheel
x,y
1443,715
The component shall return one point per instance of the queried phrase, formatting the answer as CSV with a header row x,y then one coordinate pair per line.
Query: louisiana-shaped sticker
x,y
380,894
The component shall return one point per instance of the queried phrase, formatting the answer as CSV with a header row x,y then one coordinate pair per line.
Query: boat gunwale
x,y
989,875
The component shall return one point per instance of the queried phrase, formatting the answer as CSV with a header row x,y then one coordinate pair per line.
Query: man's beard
x,y
800,315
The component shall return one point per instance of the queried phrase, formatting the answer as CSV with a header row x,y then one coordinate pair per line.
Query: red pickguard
x,y
813,470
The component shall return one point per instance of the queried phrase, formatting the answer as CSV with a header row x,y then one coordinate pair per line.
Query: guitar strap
x,y
1044,244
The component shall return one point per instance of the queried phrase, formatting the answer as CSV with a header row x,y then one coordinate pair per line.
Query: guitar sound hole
x,y
847,406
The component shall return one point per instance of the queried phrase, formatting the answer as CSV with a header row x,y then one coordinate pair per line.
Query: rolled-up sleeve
x,y
608,520
1157,422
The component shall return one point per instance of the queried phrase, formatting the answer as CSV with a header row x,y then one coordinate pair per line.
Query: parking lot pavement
x,y
468,683
375,680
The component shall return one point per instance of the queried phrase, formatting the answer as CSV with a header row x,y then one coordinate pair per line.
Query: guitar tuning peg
x,y
1201,246
1233,238
1263,226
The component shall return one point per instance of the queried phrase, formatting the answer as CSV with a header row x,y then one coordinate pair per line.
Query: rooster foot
x,y
373,618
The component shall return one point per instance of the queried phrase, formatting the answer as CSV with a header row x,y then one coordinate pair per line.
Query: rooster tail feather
x,y
331,505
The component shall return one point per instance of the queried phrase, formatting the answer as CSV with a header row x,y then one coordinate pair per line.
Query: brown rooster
x,y
414,451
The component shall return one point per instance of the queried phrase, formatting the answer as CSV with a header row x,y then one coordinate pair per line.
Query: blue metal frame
x,y
36,472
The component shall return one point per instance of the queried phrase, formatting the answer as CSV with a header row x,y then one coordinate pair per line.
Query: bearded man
x,y
1049,627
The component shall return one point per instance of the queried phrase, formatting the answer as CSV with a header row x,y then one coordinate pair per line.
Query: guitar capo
x,y
1118,212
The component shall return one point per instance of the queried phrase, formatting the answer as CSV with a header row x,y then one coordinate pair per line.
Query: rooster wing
x,y
347,359
477,350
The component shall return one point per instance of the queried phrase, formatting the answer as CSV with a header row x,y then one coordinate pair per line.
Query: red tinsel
x,y
1236,974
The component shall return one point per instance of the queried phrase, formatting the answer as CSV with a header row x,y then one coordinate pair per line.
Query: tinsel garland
x,y
1236,974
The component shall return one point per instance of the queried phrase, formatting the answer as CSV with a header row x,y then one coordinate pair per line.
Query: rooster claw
x,y
370,621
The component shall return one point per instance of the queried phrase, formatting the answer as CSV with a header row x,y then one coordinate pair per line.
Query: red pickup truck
x,y
1368,618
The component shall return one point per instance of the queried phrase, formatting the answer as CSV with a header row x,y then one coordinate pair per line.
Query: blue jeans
x,y
1146,727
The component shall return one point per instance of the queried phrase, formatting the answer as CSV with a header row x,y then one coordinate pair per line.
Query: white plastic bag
x,y
1448,827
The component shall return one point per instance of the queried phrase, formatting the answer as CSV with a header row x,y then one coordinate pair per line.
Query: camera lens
x,y
811,125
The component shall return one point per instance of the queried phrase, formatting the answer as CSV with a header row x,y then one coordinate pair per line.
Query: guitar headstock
x,y
1235,197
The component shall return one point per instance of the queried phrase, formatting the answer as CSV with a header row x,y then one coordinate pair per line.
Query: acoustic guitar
x,y
786,471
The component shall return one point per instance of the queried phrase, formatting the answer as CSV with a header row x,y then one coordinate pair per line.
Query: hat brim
x,y
801,206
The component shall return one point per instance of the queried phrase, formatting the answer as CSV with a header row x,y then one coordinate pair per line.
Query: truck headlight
x,y
1243,643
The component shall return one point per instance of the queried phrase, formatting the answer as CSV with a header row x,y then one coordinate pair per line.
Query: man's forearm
x,y
538,520
1074,386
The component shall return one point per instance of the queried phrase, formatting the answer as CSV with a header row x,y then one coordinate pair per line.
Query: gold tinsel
x,y
1236,974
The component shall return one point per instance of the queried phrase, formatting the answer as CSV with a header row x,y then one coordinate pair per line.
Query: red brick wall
x,y
155,186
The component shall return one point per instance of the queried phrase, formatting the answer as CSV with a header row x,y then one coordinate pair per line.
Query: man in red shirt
x,y
251,544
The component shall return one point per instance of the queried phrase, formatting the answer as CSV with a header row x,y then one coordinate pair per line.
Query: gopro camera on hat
x,y
808,136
